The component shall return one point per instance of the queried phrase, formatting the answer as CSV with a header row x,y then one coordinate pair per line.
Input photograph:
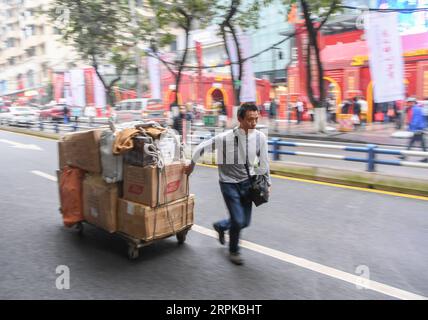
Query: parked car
x,y
140,109
53,112
18,116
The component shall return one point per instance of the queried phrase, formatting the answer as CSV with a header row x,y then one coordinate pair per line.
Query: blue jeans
x,y
236,197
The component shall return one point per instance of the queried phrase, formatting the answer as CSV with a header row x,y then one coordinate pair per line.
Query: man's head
x,y
248,115
411,101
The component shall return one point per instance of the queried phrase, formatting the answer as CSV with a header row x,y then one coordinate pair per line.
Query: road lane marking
x,y
303,263
30,135
44,175
319,268
21,145
389,193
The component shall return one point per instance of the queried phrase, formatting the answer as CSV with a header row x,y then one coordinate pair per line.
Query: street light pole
x,y
131,4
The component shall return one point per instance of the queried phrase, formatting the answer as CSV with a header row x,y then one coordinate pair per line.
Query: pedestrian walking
x,y
273,109
299,110
90,112
356,109
417,126
364,107
238,150
66,113
331,108
425,109
75,112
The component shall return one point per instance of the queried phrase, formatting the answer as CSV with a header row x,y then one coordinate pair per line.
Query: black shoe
x,y
402,157
220,234
424,160
236,258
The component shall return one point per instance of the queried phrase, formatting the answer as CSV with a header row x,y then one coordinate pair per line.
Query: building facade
x,y
30,48
269,66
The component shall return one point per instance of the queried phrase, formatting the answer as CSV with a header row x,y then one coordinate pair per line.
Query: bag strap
x,y
246,156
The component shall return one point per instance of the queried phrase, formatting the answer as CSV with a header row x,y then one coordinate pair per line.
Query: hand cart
x,y
135,244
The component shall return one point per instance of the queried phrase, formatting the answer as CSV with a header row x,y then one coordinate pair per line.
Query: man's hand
x,y
189,168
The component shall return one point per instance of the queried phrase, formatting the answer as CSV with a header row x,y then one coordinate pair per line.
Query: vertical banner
x,y
154,74
100,93
77,87
67,89
302,41
58,86
248,83
3,86
248,88
385,56
89,86
233,56
198,47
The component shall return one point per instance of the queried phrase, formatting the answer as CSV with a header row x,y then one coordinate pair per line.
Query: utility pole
x,y
131,4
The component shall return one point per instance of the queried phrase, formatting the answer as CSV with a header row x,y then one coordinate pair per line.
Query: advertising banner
x,y
248,83
77,87
100,93
385,56
58,86
154,74
89,86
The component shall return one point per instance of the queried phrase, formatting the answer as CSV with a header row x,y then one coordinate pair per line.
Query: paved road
x,y
310,242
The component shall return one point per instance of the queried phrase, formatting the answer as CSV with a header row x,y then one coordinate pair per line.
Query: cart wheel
x,y
133,252
181,236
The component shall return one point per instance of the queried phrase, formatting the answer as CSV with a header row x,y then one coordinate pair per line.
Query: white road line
x,y
44,175
21,145
328,271
304,263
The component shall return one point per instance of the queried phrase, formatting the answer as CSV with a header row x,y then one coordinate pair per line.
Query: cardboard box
x,y
140,184
146,223
81,150
100,202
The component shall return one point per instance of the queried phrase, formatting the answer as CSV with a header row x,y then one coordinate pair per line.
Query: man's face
x,y
250,120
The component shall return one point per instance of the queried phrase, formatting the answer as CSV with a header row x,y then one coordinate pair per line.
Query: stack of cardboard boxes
x,y
150,203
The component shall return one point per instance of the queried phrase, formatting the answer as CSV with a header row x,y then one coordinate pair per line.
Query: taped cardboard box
x,y
146,223
81,150
100,202
141,184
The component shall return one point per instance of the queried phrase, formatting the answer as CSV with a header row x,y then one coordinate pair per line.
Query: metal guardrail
x,y
371,150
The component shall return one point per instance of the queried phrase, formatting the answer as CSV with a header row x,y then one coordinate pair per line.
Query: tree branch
x,y
330,11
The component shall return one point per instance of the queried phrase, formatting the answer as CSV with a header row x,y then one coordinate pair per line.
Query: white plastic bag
x,y
112,165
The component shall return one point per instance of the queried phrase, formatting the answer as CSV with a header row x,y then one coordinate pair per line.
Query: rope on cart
x,y
157,206
165,195
188,198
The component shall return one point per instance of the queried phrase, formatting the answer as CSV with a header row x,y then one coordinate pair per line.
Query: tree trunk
x,y
319,115
226,48
183,59
234,4
237,87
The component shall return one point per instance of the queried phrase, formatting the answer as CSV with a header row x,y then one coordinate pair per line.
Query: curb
x,y
53,136
369,180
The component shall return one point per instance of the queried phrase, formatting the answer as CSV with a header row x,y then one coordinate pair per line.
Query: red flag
x,y
89,86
